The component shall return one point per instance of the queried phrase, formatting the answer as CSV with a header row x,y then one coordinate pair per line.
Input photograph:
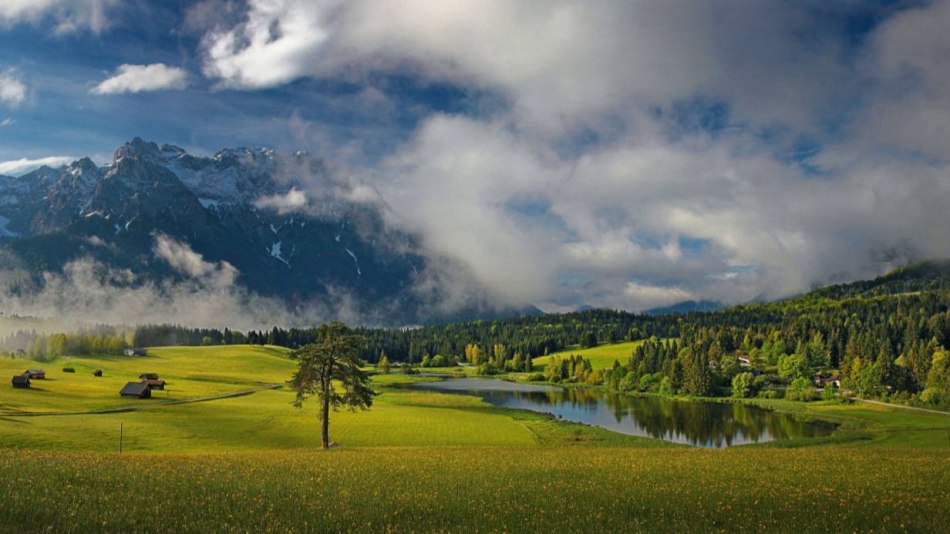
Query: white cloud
x,y
23,165
276,44
12,89
649,297
139,78
291,202
188,262
452,184
6,122
647,206
69,16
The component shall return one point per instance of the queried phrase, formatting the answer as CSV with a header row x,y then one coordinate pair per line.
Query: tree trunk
x,y
325,422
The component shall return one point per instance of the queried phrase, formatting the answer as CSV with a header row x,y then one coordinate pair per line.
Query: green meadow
x,y
424,461
601,356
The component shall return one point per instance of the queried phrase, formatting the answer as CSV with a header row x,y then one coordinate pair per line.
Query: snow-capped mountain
x,y
280,220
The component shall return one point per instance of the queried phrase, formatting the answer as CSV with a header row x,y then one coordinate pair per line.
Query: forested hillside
x,y
886,337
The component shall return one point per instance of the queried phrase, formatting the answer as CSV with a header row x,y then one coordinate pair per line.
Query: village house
x,y
823,381
36,374
139,390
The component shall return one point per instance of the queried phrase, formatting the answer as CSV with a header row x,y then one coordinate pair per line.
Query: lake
x,y
699,423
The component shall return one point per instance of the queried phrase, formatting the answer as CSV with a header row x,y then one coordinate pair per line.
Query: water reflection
x,y
704,424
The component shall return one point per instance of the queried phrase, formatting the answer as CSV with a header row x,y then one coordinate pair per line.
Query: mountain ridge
x,y
288,228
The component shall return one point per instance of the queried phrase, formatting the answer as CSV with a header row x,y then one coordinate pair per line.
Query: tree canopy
x,y
330,362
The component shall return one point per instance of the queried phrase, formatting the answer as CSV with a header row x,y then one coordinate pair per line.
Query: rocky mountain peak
x,y
139,149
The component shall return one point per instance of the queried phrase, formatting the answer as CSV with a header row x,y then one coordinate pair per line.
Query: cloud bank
x,y
643,153
140,78
25,165
88,293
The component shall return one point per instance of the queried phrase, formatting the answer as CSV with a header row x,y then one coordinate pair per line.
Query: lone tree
x,y
332,358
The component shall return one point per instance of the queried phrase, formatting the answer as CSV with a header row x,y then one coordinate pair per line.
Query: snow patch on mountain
x,y
275,252
209,203
355,261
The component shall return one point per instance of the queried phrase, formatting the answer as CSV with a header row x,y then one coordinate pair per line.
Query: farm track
x,y
125,409
902,407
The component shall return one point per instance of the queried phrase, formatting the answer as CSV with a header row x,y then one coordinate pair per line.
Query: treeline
x,y
46,347
501,340
528,336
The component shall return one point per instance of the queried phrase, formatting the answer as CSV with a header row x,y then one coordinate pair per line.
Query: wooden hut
x,y
36,374
97,372
139,390
21,381
152,380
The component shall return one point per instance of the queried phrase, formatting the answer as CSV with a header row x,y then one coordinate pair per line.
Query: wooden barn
x,y
21,381
152,380
139,390
36,374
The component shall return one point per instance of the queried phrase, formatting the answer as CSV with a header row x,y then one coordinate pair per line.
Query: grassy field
x,y
601,356
427,461
822,489
263,420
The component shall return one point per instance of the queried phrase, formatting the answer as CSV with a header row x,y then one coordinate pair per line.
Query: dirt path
x,y
144,406
902,407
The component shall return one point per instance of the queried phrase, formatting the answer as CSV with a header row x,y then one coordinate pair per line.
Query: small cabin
x,y
152,380
21,381
139,390
136,351
155,384
97,372
36,374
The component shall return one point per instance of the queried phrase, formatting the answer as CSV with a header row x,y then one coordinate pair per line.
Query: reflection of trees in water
x,y
695,422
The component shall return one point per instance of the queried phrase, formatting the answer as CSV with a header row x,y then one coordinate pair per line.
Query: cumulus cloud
x,y
642,152
275,44
24,165
69,16
12,89
139,78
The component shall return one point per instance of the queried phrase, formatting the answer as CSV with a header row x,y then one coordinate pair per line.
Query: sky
x,y
621,154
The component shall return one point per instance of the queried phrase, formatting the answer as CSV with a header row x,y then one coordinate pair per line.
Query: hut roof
x,y
35,372
149,376
19,380
136,389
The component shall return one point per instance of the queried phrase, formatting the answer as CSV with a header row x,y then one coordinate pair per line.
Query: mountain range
x,y
279,223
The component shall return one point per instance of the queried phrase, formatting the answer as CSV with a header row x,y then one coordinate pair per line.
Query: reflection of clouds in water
x,y
704,424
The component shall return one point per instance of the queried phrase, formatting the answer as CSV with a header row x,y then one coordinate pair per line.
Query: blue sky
x,y
612,153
